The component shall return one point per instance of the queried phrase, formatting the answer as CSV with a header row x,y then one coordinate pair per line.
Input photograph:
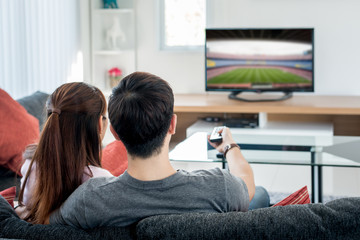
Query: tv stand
x,y
233,95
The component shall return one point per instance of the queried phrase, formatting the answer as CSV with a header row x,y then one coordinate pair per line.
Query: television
x,y
260,60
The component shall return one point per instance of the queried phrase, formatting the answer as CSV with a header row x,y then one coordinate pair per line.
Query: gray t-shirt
x,y
123,200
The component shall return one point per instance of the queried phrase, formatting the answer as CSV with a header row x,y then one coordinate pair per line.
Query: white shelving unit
x,y
113,41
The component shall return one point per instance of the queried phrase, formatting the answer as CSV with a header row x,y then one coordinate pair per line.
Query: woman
x,y
68,153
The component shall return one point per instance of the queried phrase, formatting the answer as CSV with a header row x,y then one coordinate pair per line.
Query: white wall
x,y
337,38
183,70
337,33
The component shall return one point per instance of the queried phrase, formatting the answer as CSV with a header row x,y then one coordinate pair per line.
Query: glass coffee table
x,y
279,149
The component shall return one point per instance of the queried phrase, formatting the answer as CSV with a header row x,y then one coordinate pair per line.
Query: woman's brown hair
x,y
69,142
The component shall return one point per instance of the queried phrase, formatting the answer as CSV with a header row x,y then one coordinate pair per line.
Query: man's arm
x,y
71,212
56,218
238,166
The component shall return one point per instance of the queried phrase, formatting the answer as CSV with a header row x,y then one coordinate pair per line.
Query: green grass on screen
x,y
257,75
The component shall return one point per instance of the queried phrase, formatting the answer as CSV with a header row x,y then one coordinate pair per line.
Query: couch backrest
x,y
35,105
339,219
13,227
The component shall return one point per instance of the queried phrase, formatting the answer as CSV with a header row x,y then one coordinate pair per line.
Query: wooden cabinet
x,y
343,112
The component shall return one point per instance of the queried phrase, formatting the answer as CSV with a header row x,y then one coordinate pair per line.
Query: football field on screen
x,y
256,75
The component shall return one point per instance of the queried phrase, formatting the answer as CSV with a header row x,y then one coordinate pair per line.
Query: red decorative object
x,y
115,75
9,195
114,158
301,196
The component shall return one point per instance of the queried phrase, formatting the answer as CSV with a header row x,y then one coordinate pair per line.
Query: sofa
x,y
338,219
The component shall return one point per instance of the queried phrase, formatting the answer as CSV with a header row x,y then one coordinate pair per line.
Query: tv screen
x,y
260,60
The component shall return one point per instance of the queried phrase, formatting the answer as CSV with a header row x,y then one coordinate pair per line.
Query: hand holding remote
x,y
237,164
216,135
225,135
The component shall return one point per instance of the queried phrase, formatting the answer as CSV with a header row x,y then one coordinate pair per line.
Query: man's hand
x,y
226,139
238,166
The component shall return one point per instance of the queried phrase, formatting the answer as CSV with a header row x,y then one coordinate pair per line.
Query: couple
x,y
141,116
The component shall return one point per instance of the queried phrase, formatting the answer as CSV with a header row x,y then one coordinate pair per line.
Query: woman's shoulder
x,y
94,172
25,167
29,151
98,170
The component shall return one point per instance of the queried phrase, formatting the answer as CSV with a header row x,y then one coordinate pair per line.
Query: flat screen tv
x,y
260,60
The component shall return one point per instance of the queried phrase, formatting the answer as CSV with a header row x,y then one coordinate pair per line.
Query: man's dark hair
x,y
140,111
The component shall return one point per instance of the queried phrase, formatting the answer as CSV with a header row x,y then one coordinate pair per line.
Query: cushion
x,y
35,105
17,129
114,158
301,196
9,195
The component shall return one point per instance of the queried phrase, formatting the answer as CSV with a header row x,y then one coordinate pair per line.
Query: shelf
x,y
113,11
113,41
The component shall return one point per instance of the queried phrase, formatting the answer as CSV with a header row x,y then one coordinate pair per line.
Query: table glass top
x,y
341,151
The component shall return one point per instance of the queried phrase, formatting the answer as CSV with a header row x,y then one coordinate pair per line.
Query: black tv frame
x,y
287,92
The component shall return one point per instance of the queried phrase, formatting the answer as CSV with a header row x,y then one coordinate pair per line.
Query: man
x,y
141,116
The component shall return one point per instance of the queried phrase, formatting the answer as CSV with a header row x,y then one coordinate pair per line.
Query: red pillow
x,y
9,195
114,158
299,197
17,130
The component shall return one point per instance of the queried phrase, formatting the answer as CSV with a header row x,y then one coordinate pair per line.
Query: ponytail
x,y
47,156
69,142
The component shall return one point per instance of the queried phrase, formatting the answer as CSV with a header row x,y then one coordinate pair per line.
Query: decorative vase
x,y
115,76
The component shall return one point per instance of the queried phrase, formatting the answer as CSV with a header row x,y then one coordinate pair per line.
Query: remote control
x,y
215,135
